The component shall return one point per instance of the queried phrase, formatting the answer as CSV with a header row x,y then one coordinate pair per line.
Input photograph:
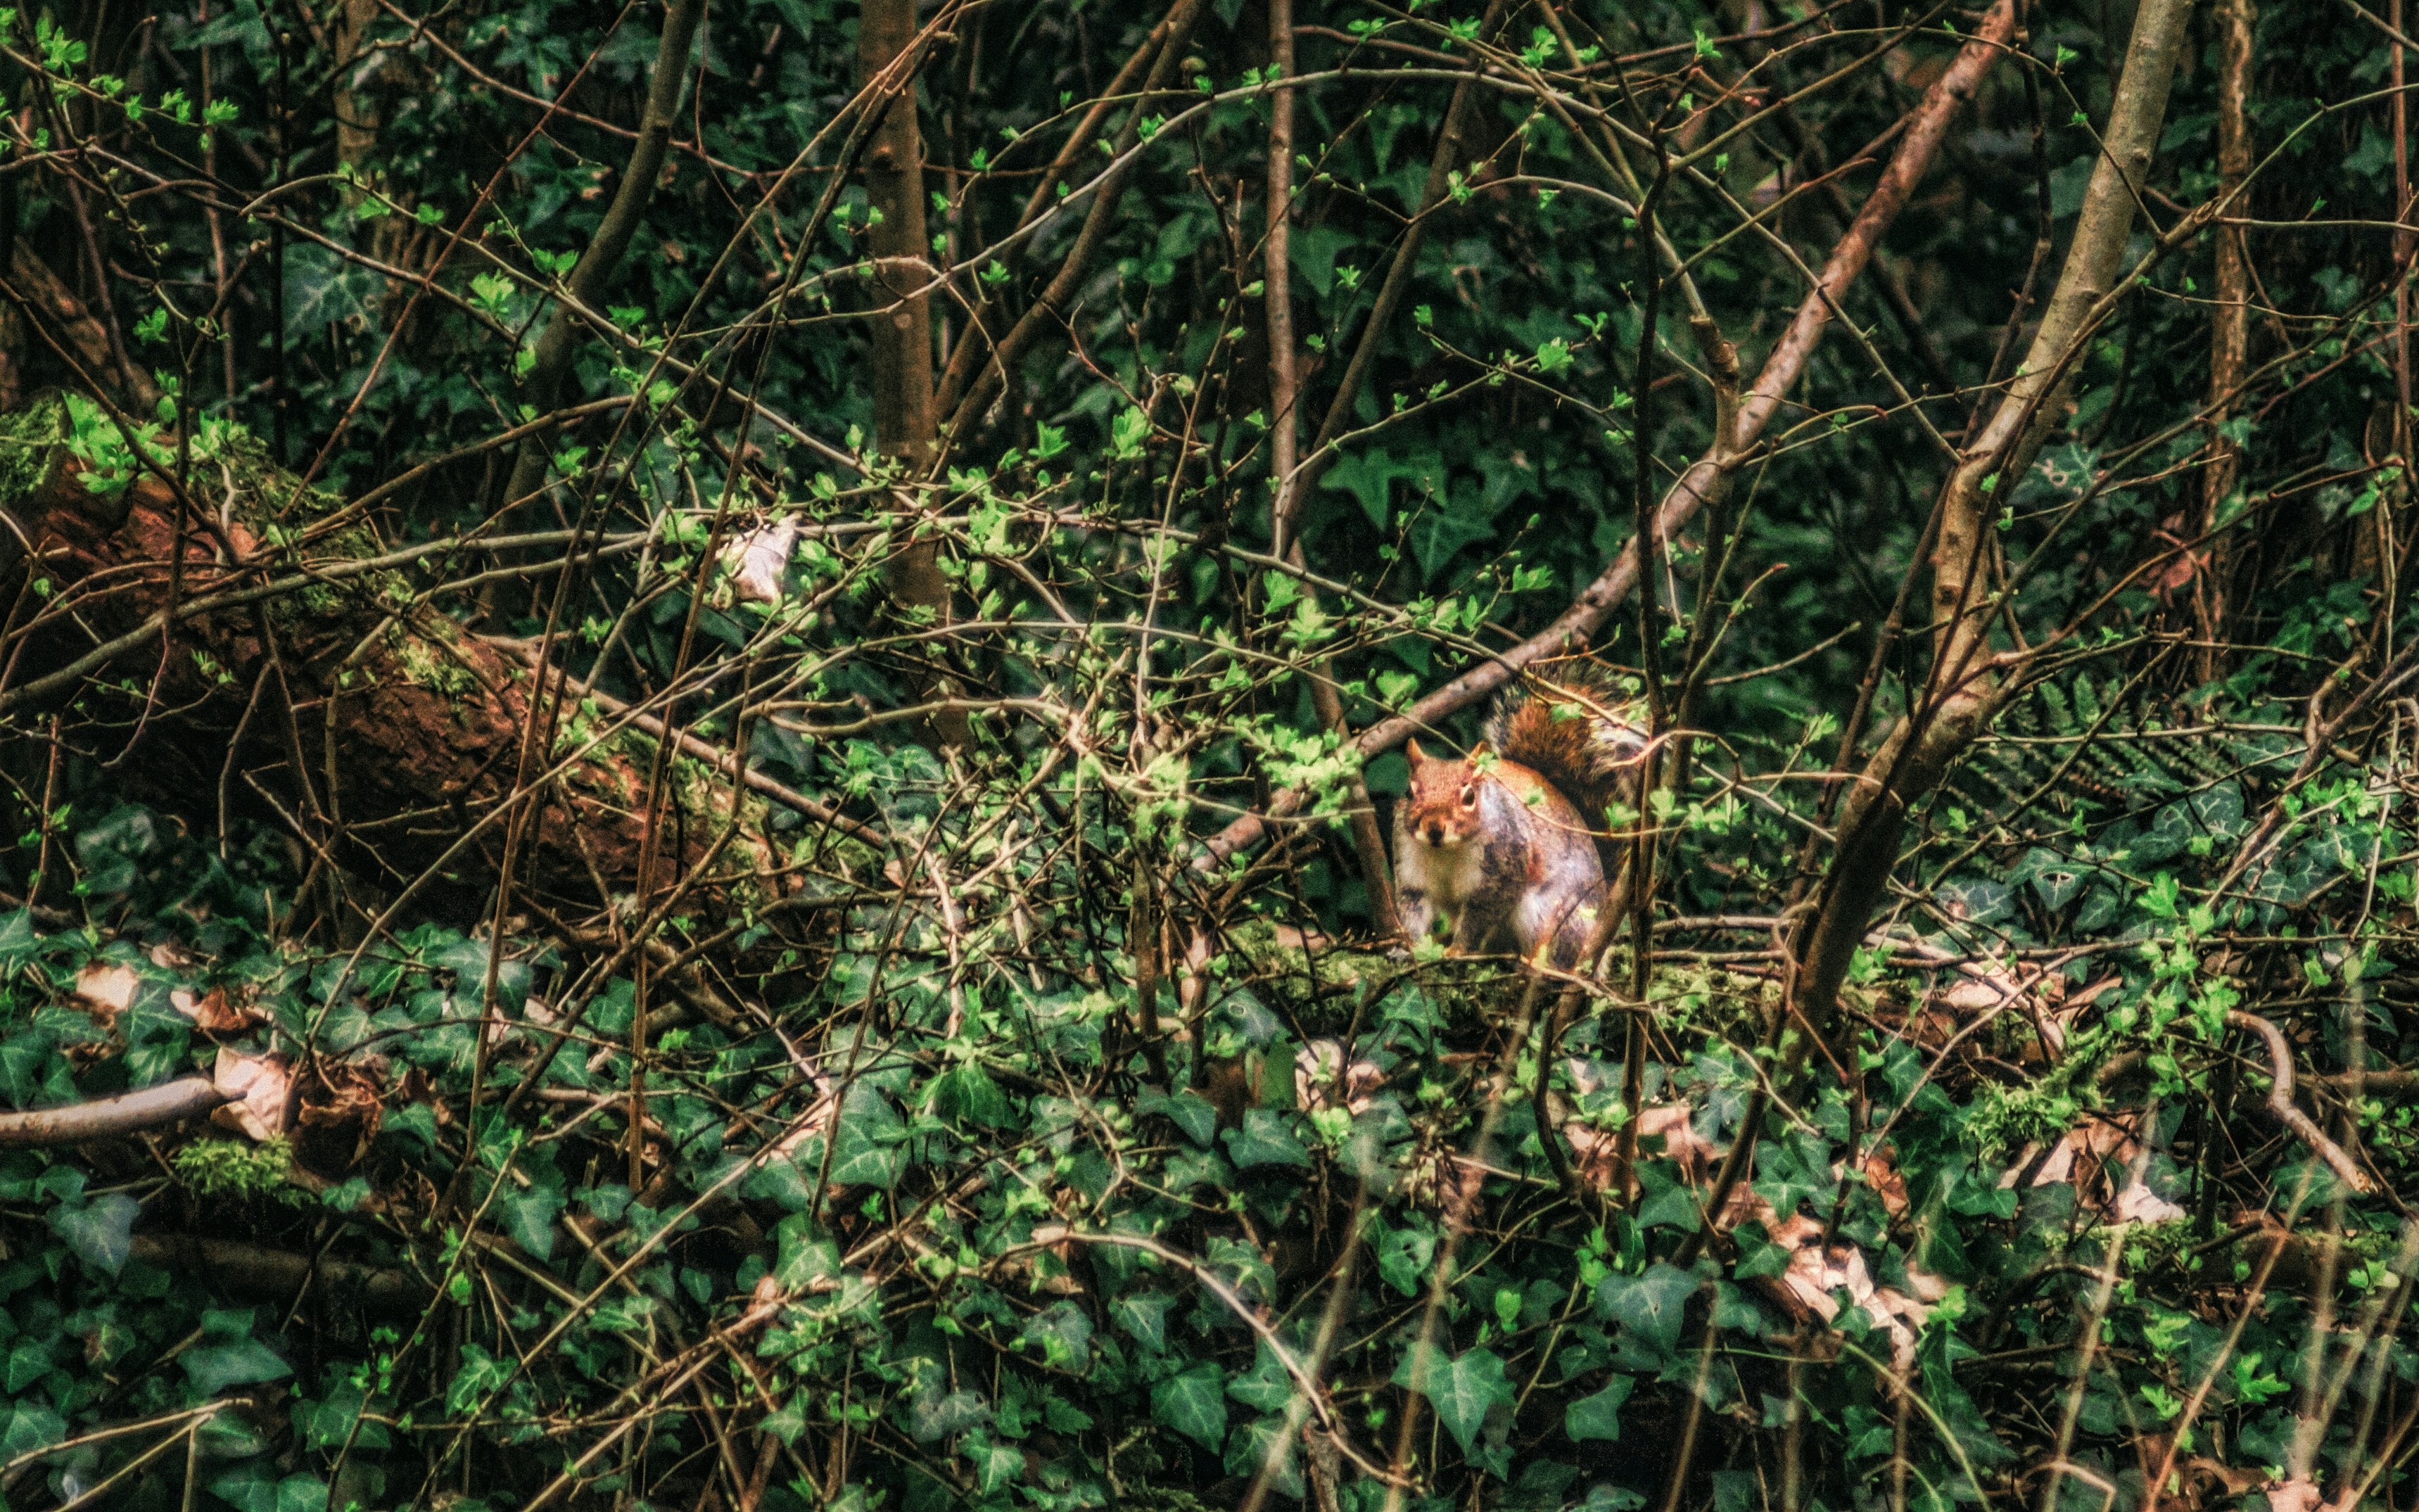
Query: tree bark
x,y
901,326
413,724
2230,320
106,1118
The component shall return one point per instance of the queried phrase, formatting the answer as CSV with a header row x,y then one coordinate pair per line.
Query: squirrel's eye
x,y
1469,795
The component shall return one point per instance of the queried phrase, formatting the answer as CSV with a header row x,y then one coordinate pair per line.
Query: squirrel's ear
x,y
1411,749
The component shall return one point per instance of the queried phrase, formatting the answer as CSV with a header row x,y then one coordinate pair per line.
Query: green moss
x,y
27,440
427,664
237,1169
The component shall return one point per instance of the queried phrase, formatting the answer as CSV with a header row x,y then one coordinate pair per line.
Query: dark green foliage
x,y
929,1205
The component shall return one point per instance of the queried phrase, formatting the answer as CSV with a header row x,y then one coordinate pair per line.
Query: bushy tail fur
x,y
1581,729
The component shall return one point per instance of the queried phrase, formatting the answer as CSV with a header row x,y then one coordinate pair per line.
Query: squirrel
x,y
1500,849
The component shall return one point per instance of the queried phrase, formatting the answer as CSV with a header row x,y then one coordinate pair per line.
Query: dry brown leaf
x,y
2203,1479
1322,1080
2082,1155
1675,1123
817,1120
105,990
338,1114
1882,1175
1817,1272
215,1013
757,560
2084,1158
2139,1204
261,1086
2296,1495
1596,1152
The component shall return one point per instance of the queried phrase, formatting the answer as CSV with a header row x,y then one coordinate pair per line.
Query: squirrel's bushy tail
x,y
1579,728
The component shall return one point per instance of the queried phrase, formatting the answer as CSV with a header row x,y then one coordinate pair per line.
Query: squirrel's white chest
x,y
1454,874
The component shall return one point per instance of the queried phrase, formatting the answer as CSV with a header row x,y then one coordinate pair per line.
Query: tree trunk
x,y
903,414
1968,679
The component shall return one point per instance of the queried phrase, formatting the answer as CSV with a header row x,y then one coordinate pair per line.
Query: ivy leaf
x,y
867,1150
1252,1446
99,1233
529,1217
1404,1256
1667,1201
1063,1332
482,1374
301,1493
338,1419
997,1466
322,289
1463,1391
967,1094
935,1417
1650,1305
787,1423
27,1427
28,1361
1598,1417
1194,1115
1265,1138
237,1361
1267,1387
1144,1316
1193,1403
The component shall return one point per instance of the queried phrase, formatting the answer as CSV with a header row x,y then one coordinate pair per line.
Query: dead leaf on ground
x,y
1322,1080
2139,1204
105,989
338,1114
1596,1152
261,1086
2085,1157
1675,1123
1817,1273
757,560
816,1120
216,1012
2202,1481
2298,1495
1882,1175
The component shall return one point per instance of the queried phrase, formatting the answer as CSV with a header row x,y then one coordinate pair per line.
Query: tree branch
x,y
106,1118
2281,1106
1965,683
1926,128
631,198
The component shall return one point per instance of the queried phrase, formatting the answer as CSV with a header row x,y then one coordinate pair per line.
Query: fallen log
x,y
228,604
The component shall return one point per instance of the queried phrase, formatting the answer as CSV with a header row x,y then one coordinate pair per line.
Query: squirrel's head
x,y
1444,797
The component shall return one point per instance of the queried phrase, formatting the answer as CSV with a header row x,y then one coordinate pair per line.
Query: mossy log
x,y
210,608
